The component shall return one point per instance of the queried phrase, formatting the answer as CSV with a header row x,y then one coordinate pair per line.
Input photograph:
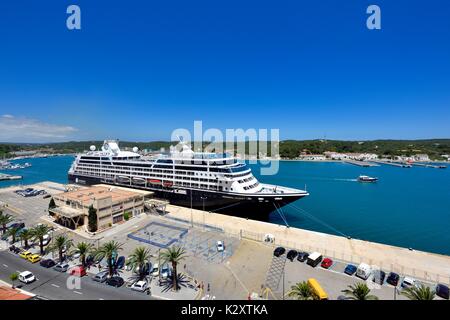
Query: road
x,y
53,285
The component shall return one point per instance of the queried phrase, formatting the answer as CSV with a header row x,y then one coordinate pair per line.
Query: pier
x,y
427,165
418,264
361,163
392,163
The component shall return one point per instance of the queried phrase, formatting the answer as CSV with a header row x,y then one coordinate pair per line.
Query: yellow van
x,y
34,258
317,289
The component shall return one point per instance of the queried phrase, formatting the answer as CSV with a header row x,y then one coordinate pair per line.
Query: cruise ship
x,y
208,181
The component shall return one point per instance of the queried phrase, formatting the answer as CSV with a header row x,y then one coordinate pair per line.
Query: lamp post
x,y
192,214
203,200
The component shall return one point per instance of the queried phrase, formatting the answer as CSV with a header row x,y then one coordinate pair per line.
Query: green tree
x,y
92,219
126,215
13,277
60,244
25,236
174,255
137,261
13,233
420,292
83,248
4,220
38,233
108,250
52,204
301,291
359,291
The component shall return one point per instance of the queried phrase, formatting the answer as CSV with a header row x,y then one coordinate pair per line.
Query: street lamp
x,y
192,214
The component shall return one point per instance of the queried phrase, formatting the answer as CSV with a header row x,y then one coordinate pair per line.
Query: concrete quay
x,y
418,264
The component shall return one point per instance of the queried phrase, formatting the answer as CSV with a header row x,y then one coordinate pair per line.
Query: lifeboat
x,y
138,180
167,183
154,181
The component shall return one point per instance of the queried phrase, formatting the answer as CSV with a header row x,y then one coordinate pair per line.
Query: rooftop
x,y
102,191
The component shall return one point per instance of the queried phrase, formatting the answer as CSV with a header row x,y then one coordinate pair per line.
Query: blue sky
x,y
139,69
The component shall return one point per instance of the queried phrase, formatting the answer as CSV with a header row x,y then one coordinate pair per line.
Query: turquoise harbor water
x,y
406,207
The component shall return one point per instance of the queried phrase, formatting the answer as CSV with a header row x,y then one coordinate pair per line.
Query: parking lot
x,y
28,209
332,280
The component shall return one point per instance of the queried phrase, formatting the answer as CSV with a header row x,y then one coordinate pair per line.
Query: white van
x,y
314,259
363,271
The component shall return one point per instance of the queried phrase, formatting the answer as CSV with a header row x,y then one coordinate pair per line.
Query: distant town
x,y
308,150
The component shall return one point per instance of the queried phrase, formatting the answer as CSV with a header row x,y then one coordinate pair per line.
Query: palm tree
x,y
4,220
301,291
359,291
59,244
138,259
26,235
421,292
38,233
13,277
108,250
83,248
14,233
174,255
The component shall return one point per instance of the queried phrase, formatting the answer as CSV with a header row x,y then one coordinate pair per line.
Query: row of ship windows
x,y
160,176
170,172
252,186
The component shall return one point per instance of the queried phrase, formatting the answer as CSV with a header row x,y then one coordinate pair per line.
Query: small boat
x,y
138,180
442,167
367,179
167,183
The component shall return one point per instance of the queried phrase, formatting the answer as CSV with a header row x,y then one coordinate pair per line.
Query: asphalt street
x,y
55,286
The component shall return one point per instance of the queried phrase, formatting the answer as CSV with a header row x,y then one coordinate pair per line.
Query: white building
x,y
312,157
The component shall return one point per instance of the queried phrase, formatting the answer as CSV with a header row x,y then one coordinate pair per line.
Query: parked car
x,y
393,279
220,247
408,282
165,271
155,271
442,291
19,225
279,251
326,263
101,276
120,262
350,269
291,255
14,249
115,281
78,271
363,271
302,256
25,254
379,276
47,263
75,256
34,258
140,286
26,277
314,259
61,267
46,239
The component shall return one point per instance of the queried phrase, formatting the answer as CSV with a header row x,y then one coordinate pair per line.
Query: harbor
x,y
234,273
